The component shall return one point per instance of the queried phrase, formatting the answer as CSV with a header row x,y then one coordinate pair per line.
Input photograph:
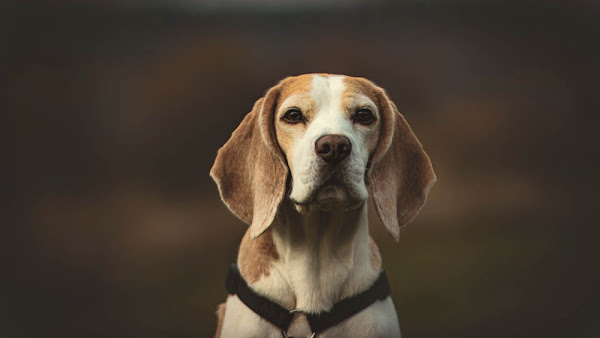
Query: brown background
x,y
111,226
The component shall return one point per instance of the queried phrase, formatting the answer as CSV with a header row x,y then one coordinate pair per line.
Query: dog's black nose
x,y
333,148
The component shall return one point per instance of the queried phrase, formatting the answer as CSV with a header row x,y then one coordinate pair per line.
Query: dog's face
x,y
327,135
327,128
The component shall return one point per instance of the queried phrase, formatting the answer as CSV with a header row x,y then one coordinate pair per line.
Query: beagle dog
x,y
299,170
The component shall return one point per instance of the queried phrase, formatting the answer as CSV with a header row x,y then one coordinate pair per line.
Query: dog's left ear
x,y
250,169
401,172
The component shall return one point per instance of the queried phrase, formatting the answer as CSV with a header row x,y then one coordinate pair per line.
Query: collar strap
x,y
280,317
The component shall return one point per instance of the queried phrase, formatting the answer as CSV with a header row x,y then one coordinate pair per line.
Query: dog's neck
x,y
310,261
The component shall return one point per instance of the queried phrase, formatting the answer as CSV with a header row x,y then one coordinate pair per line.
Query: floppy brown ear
x,y
250,170
401,172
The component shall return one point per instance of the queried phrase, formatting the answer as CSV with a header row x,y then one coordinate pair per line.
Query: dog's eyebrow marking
x,y
303,101
357,100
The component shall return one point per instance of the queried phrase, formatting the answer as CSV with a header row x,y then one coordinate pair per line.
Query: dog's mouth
x,y
330,195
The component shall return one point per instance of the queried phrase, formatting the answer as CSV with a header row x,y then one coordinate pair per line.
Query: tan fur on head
x,y
250,170
401,173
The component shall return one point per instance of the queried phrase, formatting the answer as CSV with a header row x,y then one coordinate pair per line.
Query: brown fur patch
x,y
375,255
360,85
295,85
220,316
256,255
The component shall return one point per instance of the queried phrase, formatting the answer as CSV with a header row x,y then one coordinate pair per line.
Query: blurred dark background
x,y
113,113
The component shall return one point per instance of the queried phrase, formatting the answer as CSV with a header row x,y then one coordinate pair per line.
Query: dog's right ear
x,y
250,169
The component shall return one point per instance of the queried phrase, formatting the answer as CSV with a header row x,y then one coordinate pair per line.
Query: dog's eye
x,y
364,116
293,115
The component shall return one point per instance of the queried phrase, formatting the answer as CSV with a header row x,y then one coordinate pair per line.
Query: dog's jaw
x,y
330,197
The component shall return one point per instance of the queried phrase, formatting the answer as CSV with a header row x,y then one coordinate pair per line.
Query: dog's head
x,y
333,137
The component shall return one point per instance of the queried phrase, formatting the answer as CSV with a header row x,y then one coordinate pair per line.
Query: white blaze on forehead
x,y
327,93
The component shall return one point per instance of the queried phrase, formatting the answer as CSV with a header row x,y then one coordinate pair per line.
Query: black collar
x,y
280,317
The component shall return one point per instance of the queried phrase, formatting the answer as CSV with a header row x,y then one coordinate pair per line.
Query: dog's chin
x,y
330,197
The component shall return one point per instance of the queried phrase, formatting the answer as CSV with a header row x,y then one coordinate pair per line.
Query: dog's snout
x,y
333,148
